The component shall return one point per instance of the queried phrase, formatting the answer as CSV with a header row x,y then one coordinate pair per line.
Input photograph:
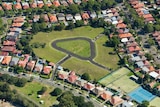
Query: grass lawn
x,y
54,55
103,57
125,84
114,76
80,67
79,47
32,88
155,102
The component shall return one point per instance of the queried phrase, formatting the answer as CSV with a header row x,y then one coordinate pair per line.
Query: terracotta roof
x,y
47,69
17,24
70,1
7,6
6,60
89,86
25,5
52,18
33,5
19,20
106,96
151,68
9,43
147,16
152,84
22,63
134,48
121,25
125,35
72,77
56,3
40,5
62,75
45,17
85,16
4,53
149,19
30,65
8,48
115,100
139,5
17,6
49,4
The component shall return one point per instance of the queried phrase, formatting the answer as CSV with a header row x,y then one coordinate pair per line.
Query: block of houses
x,y
1,58
106,95
47,70
89,86
6,60
30,65
7,6
77,17
116,101
98,90
63,75
17,6
72,77
25,5
56,3
52,18
8,49
69,17
39,66
61,17
14,61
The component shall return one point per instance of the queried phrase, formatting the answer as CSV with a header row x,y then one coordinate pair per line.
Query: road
x,y
76,92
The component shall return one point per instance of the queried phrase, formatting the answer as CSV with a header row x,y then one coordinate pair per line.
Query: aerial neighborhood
x,y
80,53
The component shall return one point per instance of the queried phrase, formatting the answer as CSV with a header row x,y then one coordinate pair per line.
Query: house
x,y
69,17
8,49
39,66
14,61
7,6
61,17
4,53
56,3
98,90
47,70
80,82
6,60
116,101
121,25
139,64
127,104
63,2
72,77
52,18
14,29
63,75
25,5
40,4
17,24
85,16
1,58
36,18
30,65
133,49
33,5
154,74
22,63
77,17
106,95
77,1
89,86
45,17
48,3
9,43
70,1
93,15
17,6
125,35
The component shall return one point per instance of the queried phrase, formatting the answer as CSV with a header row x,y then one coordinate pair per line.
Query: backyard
x,y
82,66
30,90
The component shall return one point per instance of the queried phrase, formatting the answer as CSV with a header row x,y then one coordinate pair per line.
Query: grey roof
x,y
140,64
145,69
14,61
137,58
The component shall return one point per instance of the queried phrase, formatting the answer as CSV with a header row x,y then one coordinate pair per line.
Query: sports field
x,y
155,102
114,76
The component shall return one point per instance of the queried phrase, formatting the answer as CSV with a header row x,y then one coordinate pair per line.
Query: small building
x,y
14,61
9,43
6,60
154,74
116,101
47,70
72,77
63,75
8,49
80,82
40,4
56,3
30,65
106,95
61,17
93,15
69,17
85,16
98,90
89,86
39,66
7,6
33,5
25,5
78,17
52,18
36,18
17,6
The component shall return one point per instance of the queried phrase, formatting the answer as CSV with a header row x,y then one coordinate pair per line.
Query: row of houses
x,y
142,11
26,62
18,4
101,92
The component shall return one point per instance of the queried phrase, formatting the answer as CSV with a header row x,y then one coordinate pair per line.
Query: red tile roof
x,y
8,48
85,16
125,35
17,6
6,60
72,77
56,3
89,86
30,65
52,18
18,20
33,5
7,6
115,100
134,49
9,43
121,25
47,69
106,96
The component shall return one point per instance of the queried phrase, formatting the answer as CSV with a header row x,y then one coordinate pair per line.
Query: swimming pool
x,y
141,94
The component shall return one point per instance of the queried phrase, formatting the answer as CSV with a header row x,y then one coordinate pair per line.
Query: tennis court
x,y
114,76
141,94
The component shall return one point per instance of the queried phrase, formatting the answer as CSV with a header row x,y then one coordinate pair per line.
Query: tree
x,y
79,23
42,91
149,56
86,76
148,28
115,41
71,25
5,77
73,9
56,92
151,42
21,82
144,104
25,25
78,100
59,27
35,28
87,104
